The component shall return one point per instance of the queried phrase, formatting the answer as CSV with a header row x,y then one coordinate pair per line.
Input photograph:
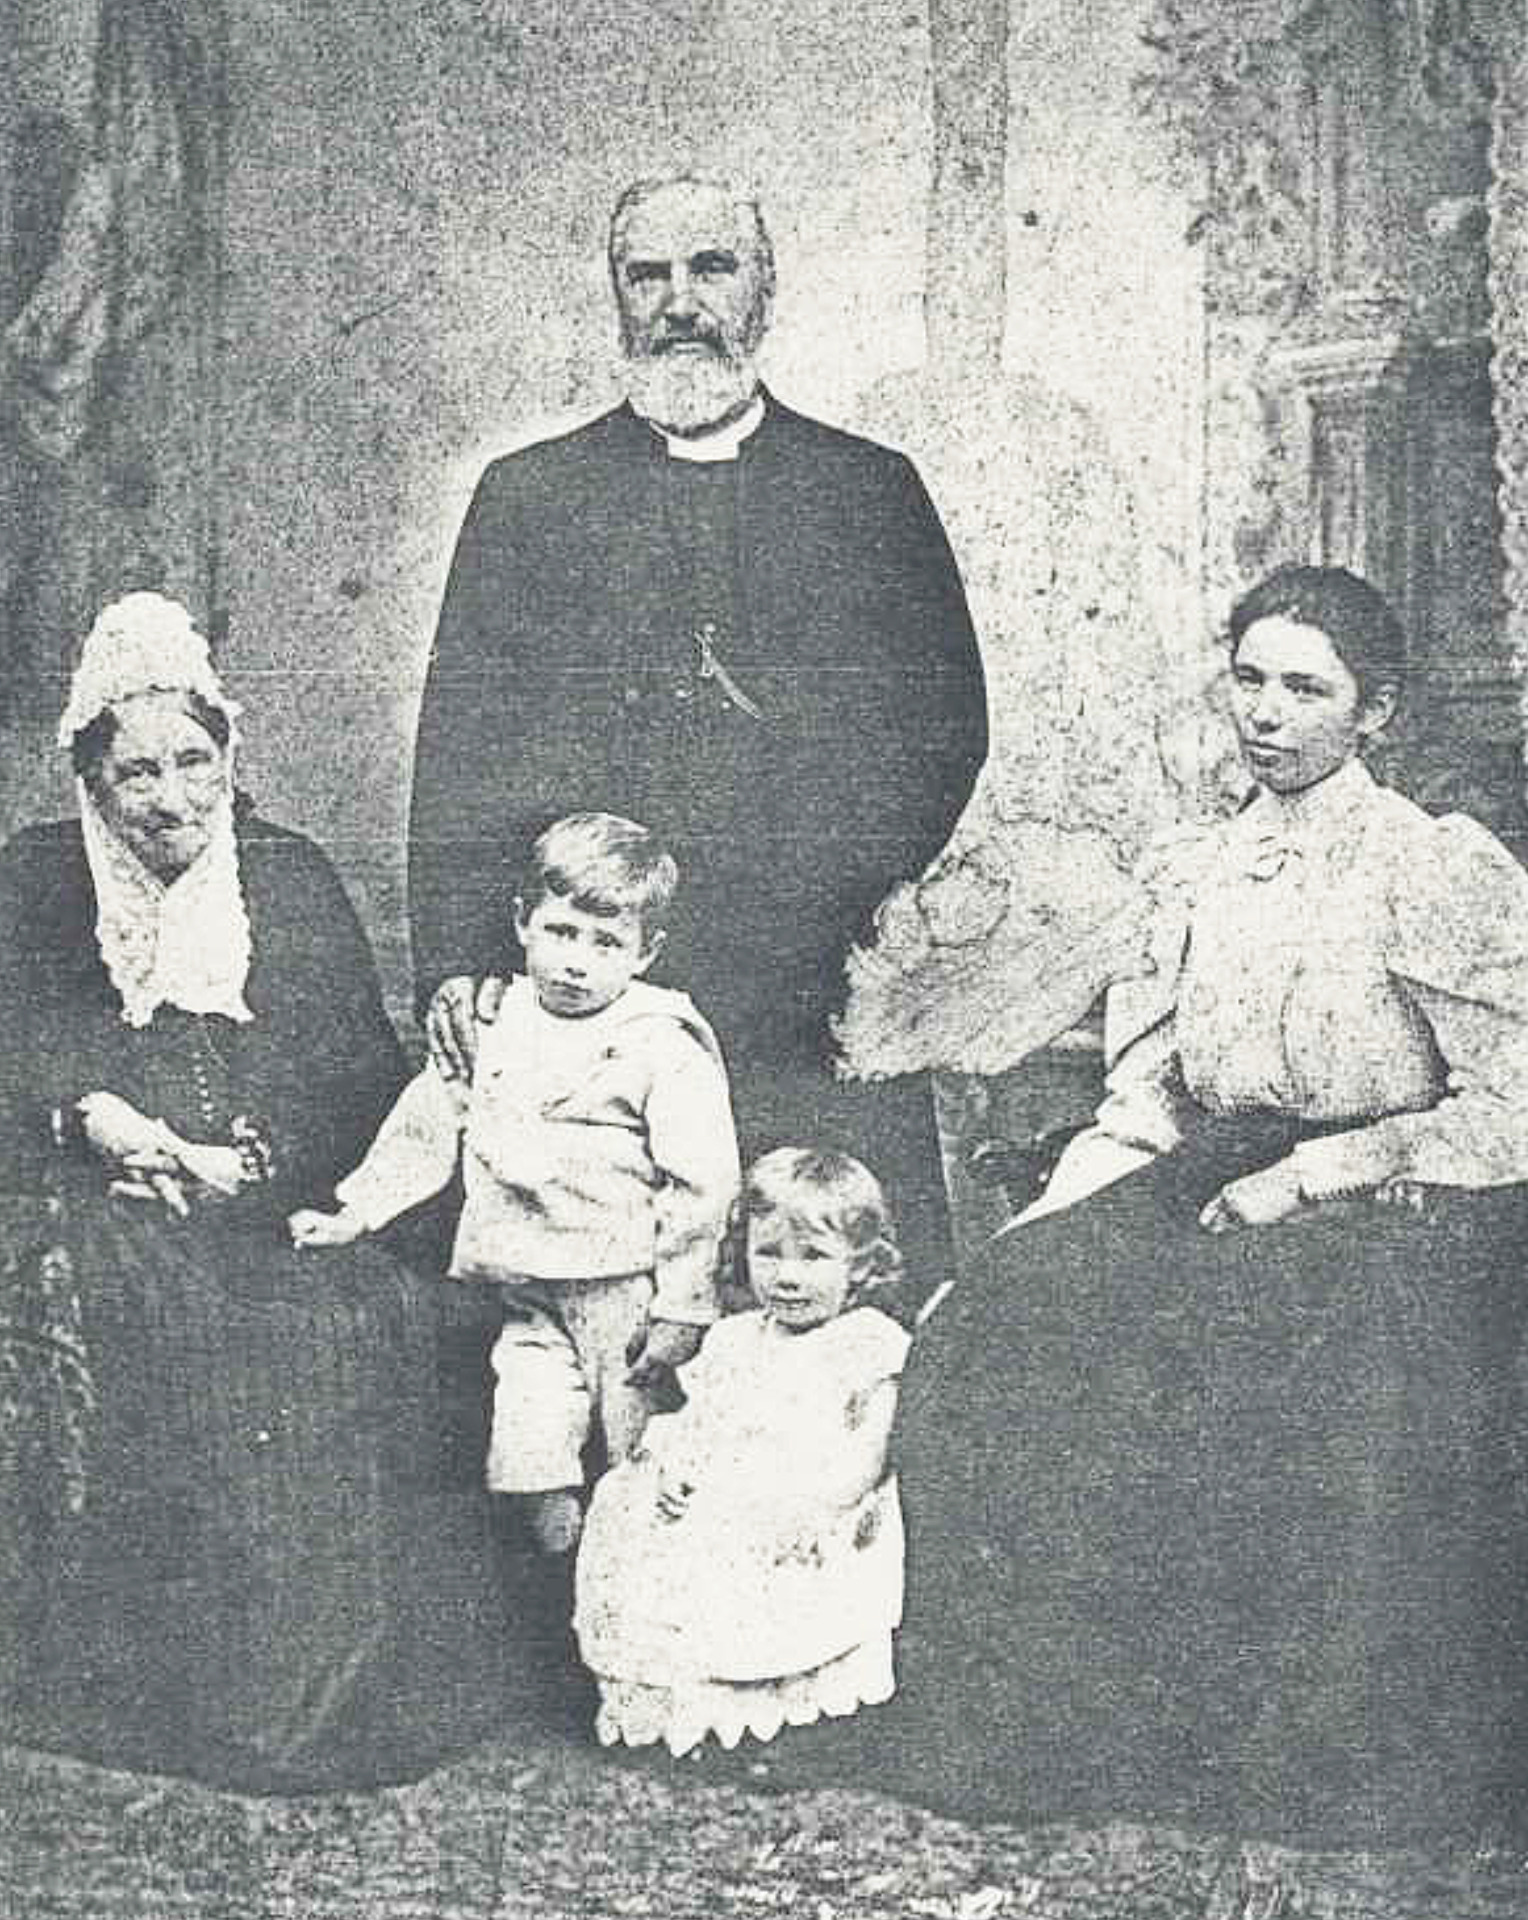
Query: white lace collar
x,y
185,944
1315,813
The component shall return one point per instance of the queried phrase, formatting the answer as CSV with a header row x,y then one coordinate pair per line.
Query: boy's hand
x,y
1260,1199
310,1228
451,1022
666,1344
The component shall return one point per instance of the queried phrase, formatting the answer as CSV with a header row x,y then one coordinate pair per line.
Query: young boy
x,y
598,1159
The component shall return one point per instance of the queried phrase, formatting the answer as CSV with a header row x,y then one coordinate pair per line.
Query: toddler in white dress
x,y
743,1570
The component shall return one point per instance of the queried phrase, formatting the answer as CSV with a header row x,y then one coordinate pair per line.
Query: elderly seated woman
x,y
1215,1476
236,1544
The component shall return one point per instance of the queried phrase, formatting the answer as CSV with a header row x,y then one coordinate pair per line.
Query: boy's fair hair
x,y
604,864
830,1193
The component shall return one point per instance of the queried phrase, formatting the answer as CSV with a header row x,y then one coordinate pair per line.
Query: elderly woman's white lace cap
x,y
183,942
142,643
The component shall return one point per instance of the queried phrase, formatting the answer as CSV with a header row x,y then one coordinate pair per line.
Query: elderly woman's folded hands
x,y
151,1160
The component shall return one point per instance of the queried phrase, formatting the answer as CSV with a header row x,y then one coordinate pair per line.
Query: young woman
x,y
1215,1479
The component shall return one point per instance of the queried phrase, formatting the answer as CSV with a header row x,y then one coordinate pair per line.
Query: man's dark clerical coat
x,y
770,662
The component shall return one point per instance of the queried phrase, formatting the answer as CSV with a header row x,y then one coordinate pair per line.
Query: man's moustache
x,y
672,338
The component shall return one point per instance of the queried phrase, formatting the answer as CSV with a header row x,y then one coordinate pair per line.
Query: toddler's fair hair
x,y
828,1193
603,864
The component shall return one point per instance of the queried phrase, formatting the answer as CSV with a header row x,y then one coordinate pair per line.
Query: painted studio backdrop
x,y
1157,292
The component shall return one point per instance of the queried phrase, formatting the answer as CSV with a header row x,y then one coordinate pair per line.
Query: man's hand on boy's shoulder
x,y
458,1006
665,1345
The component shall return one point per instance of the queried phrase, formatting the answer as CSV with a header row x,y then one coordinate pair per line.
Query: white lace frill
x,y
638,1714
185,945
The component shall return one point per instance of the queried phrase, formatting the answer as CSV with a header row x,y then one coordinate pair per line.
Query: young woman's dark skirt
x,y
1227,1529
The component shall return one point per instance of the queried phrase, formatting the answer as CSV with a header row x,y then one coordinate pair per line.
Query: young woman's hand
x,y
1260,1199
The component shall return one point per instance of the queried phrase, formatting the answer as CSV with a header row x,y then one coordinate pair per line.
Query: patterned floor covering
x,y
551,1830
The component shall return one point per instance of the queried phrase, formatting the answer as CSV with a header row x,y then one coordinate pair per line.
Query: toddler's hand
x,y
674,1495
310,1228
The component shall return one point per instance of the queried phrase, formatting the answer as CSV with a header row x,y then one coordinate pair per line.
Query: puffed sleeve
x,y
1458,948
876,1353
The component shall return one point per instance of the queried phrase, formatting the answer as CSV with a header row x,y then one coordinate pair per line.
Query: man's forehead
x,y
689,217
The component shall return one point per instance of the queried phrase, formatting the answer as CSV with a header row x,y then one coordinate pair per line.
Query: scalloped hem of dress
x,y
638,1714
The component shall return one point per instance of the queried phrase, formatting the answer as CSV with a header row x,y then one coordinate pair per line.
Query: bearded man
x,y
742,628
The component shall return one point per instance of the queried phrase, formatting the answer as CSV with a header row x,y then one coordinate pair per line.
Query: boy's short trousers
x,y
561,1371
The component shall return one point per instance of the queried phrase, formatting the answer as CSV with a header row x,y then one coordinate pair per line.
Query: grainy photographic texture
x,y
1156,295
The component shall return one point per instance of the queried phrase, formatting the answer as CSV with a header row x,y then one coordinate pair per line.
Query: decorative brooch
x,y
1270,857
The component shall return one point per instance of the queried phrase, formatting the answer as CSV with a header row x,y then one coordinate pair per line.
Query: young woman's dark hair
x,y
1359,621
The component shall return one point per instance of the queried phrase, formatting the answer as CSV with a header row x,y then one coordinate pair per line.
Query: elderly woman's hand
x,y
141,1152
151,1160
1260,1199
116,1130
142,1184
451,1022
220,1168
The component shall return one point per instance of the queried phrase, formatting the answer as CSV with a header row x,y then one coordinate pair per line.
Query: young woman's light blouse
x,y
1337,955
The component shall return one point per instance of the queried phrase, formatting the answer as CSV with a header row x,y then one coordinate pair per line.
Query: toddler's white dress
x,y
772,1600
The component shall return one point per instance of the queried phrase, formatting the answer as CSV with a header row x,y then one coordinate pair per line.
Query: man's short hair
x,y
643,190
603,864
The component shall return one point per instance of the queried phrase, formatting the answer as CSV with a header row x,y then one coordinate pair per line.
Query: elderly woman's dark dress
x,y
242,1527
1230,1526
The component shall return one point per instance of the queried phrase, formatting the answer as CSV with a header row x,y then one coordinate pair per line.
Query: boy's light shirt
x,y
589,1147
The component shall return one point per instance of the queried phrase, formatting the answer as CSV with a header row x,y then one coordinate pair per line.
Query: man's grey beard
x,y
685,393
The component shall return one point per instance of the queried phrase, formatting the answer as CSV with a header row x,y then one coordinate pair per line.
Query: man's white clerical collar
x,y
717,443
